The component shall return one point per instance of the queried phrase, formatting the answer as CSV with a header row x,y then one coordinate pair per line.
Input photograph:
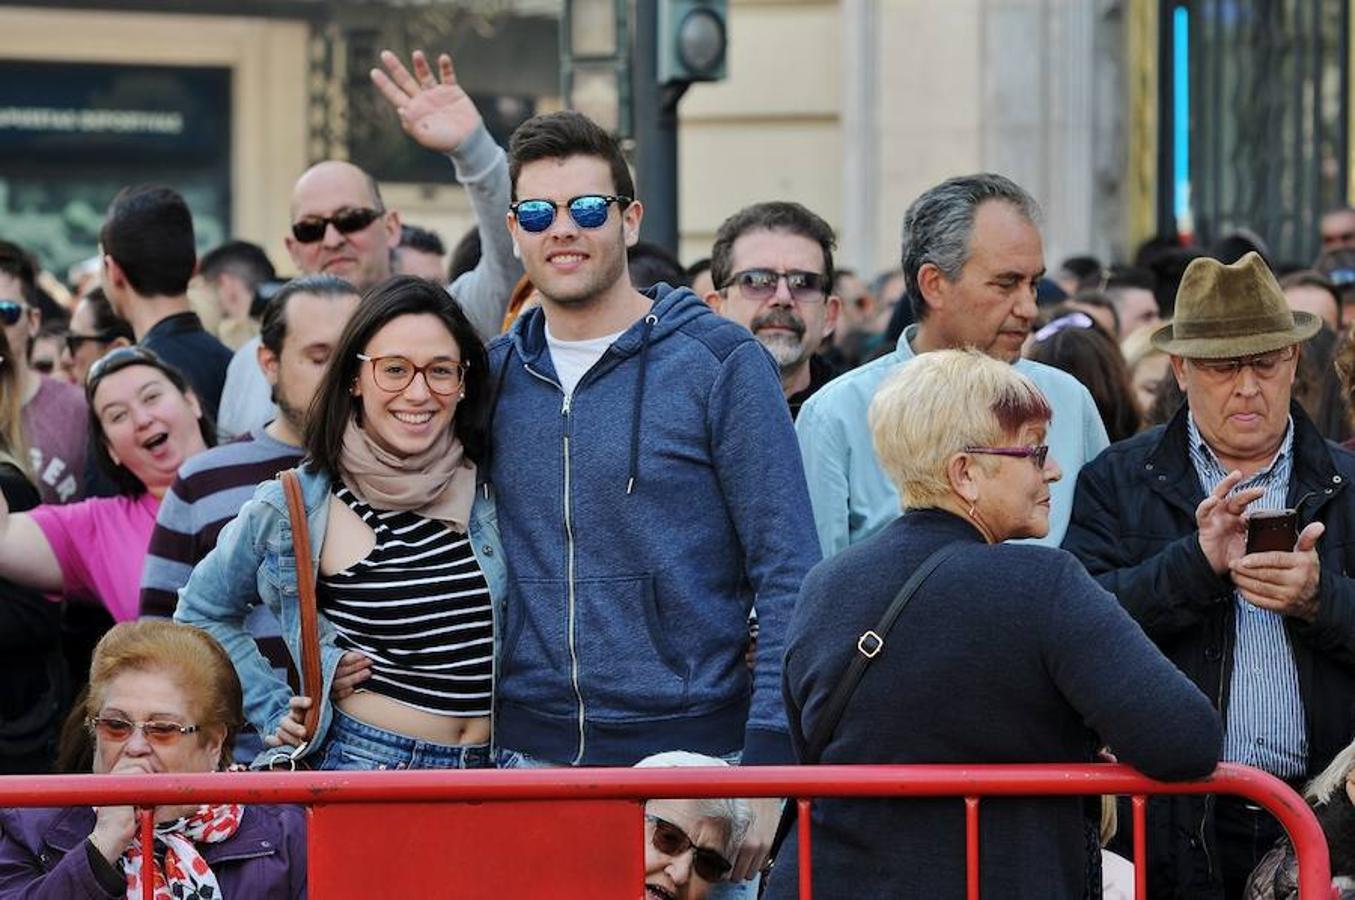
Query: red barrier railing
x,y
422,797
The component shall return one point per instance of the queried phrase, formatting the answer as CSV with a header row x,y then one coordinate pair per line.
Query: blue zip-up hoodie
x,y
641,518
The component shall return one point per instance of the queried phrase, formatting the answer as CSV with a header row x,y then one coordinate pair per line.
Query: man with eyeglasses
x,y
972,260
341,226
649,490
1266,631
772,267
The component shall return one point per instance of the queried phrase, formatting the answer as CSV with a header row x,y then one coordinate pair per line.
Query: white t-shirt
x,y
573,358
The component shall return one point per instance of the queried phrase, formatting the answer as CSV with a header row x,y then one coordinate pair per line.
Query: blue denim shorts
x,y
352,744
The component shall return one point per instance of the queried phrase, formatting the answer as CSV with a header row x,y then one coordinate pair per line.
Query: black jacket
x,y
1007,654
1133,527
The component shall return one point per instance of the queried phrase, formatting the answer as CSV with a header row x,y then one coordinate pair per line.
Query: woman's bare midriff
x,y
389,715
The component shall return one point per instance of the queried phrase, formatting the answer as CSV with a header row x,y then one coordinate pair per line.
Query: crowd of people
x,y
570,502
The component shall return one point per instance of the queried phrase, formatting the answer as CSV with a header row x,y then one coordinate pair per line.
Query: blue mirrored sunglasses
x,y
587,211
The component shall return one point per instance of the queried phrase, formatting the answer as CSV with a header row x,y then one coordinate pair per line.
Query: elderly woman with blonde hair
x,y
975,651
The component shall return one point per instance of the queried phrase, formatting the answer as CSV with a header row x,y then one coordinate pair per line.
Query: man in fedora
x,y
1160,520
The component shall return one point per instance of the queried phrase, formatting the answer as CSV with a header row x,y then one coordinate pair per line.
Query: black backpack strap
x,y
868,646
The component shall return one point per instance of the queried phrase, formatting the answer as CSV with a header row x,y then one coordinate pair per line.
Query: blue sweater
x,y
641,517
1007,654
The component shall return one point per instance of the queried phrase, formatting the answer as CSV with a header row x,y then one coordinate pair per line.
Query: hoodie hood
x,y
673,308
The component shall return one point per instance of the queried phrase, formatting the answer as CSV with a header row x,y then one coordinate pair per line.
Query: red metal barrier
x,y
587,820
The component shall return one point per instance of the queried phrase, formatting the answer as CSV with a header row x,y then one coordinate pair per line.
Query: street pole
x,y
656,132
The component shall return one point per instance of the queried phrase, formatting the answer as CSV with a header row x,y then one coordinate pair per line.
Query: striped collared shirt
x,y
1265,725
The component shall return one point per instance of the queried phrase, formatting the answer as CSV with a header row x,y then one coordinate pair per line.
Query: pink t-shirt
x,y
100,544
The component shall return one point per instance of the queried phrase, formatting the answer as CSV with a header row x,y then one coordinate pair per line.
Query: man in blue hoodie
x,y
649,487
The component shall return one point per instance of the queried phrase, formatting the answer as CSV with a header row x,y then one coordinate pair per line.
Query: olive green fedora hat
x,y
1226,311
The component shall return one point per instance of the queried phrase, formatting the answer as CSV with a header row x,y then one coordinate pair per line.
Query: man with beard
x,y
972,258
300,328
773,263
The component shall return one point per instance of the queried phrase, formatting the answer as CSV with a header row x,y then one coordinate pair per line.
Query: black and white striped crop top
x,y
419,607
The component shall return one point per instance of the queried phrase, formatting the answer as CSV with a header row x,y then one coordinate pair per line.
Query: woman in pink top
x,y
144,422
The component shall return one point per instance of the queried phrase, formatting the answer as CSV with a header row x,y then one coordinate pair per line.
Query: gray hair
x,y
733,810
1332,780
938,227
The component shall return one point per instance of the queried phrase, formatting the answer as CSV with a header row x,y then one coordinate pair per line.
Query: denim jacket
x,y
254,552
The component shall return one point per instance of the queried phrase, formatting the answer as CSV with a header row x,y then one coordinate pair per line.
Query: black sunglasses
x,y
11,311
346,221
587,211
74,340
759,285
671,840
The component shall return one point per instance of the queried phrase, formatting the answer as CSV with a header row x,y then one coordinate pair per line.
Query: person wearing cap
x,y
1160,520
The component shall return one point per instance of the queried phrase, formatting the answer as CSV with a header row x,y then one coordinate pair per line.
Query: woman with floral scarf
x,y
163,698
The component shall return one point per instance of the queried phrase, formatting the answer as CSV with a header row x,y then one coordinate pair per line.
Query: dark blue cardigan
x,y
1008,654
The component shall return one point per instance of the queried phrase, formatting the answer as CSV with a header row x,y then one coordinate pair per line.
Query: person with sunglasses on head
x,y
163,699
144,422
1258,611
772,264
660,492
995,652
341,226
148,259
409,571
53,412
689,844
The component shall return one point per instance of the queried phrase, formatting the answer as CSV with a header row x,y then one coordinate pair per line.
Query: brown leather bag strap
x,y
312,683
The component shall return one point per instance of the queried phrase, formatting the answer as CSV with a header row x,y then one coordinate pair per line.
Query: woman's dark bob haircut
x,y
334,405
128,484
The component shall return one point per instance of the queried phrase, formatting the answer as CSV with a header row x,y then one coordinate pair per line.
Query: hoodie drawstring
x,y
650,321
489,420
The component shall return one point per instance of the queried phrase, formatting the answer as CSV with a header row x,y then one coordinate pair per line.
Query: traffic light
x,y
693,40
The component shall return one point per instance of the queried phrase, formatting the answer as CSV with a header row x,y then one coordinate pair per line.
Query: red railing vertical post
x,y
145,817
971,835
1140,806
803,849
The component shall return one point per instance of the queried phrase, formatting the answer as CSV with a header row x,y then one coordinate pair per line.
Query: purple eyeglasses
x,y
1036,453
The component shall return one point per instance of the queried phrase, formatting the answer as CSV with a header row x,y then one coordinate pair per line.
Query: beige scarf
x,y
438,483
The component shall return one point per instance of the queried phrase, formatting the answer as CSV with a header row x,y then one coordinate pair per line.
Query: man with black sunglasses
x,y
772,266
649,490
341,226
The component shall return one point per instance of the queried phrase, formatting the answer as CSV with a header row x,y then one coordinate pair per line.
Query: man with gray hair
x,y
972,257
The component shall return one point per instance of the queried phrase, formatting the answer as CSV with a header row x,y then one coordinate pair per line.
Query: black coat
x,y
1007,654
1133,526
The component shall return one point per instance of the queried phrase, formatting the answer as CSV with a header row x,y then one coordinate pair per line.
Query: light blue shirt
x,y
1265,726
852,496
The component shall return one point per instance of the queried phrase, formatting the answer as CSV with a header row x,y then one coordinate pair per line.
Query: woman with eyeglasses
x,y
1004,653
144,422
163,698
95,329
410,568
689,843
